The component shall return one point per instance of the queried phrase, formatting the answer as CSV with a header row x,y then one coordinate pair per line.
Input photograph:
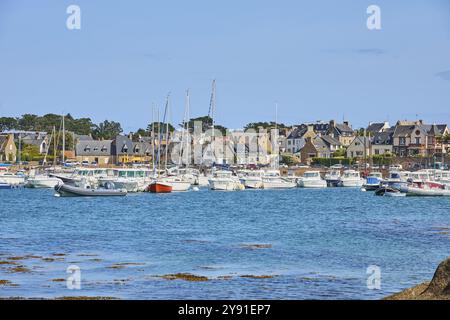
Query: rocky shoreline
x,y
437,289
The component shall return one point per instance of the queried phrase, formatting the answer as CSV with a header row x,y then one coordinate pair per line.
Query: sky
x,y
316,59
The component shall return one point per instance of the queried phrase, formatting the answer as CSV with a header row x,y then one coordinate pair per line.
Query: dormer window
x,y
125,148
87,148
104,149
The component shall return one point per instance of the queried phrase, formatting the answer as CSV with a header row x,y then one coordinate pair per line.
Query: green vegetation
x,y
289,159
264,125
206,124
332,161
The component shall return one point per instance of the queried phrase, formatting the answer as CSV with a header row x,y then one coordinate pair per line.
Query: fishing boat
x,y
312,179
159,187
42,181
85,190
373,181
224,181
351,179
333,178
272,180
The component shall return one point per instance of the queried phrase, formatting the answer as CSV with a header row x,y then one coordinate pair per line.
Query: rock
x,y
440,285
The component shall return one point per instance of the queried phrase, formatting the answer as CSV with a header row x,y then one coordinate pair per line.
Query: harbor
x,y
290,244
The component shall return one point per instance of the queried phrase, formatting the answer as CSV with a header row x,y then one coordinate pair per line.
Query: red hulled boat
x,y
159,187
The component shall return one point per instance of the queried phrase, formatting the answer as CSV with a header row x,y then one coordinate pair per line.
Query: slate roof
x,y
375,127
93,148
329,140
382,138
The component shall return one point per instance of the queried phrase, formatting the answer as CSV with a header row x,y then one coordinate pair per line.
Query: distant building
x,y
342,132
381,143
377,127
314,148
98,151
360,147
8,149
416,138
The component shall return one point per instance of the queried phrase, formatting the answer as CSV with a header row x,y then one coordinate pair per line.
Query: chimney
x,y
310,127
332,123
130,136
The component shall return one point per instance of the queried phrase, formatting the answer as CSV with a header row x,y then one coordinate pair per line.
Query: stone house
x,y
8,149
360,147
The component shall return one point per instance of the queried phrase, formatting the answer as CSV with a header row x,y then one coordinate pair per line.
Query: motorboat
x,y
223,180
426,189
131,179
312,179
7,177
333,178
273,180
373,181
389,192
351,178
42,181
85,190
252,179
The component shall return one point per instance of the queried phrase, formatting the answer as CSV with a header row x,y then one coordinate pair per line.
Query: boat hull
x,y
72,191
159,187
42,183
312,184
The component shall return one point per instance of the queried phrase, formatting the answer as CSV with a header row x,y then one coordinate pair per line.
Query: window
x,y
377,151
417,140
402,141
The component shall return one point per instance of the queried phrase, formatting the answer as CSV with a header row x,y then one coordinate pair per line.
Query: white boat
x,y
11,178
42,181
426,189
130,179
253,179
273,180
443,176
224,181
312,179
352,179
178,184
333,177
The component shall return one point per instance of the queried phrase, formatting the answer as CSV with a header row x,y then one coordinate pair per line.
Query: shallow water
x,y
320,243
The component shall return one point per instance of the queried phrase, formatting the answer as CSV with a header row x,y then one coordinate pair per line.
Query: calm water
x,y
322,242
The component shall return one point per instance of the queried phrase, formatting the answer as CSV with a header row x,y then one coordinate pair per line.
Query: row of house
x,y
307,141
404,139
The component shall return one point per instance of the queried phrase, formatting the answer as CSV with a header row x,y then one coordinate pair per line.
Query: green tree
x,y
206,124
8,123
264,125
157,126
107,130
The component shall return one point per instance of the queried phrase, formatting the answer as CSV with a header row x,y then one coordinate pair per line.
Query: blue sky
x,y
317,59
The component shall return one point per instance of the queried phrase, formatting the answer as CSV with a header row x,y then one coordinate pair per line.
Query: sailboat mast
x,y
63,140
166,149
188,105
54,147
153,138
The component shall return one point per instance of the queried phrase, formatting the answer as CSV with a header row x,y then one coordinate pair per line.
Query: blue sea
x,y
252,244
